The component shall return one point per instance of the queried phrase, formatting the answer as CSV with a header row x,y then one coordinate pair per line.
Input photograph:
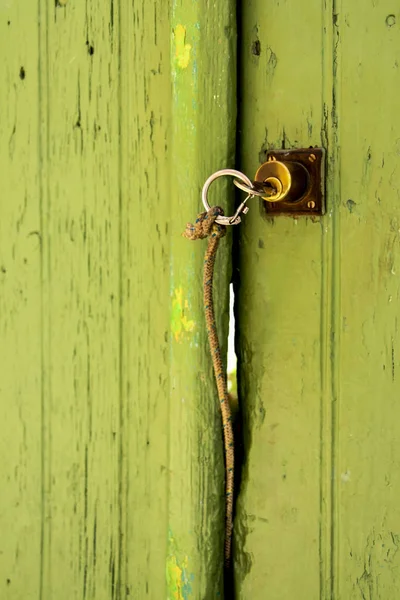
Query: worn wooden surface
x,y
20,309
112,116
367,436
112,468
318,513
203,140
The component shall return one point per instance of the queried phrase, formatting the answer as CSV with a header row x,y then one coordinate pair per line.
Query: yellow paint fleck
x,y
182,50
180,322
174,578
179,580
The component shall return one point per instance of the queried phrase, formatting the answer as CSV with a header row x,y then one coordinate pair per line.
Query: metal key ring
x,y
260,189
256,188
233,173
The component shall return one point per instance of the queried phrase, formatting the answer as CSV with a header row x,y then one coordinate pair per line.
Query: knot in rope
x,y
205,225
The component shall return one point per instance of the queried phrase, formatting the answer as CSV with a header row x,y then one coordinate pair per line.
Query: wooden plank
x,y
203,140
173,463
119,495
144,128
282,528
78,102
20,306
368,339
342,348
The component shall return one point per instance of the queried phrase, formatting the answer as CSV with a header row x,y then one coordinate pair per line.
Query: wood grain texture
x,y
81,439
280,545
203,140
114,114
318,511
144,125
368,414
20,312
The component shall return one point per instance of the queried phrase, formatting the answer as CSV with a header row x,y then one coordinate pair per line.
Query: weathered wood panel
x,y
280,545
78,100
20,307
114,115
318,336
203,140
367,451
144,129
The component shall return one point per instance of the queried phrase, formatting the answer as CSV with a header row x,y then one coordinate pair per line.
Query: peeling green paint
x,y
180,323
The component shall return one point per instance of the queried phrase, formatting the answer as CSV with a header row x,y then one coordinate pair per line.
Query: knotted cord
x,y
205,226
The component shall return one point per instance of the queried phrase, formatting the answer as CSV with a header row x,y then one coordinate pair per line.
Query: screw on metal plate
x,y
297,179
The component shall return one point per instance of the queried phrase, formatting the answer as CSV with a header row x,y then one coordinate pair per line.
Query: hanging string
x,y
205,226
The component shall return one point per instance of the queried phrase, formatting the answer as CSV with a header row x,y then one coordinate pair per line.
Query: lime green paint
x,y
318,514
110,428
84,312
203,124
182,50
180,323
111,435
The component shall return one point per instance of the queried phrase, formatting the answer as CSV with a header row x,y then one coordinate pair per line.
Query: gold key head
x,y
274,174
287,179
273,188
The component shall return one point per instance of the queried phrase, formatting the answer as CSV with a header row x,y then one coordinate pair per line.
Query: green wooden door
x,y
318,514
112,116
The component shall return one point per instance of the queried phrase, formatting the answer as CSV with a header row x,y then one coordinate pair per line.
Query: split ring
x,y
233,173
255,189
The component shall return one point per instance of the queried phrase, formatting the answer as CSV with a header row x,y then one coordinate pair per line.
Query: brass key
x,y
289,180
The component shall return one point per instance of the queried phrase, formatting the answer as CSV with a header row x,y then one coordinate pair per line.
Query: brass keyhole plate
x,y
312,202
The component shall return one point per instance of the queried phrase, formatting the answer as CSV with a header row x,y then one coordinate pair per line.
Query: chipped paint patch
x,y
180,323
345,477
182,50
179,580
